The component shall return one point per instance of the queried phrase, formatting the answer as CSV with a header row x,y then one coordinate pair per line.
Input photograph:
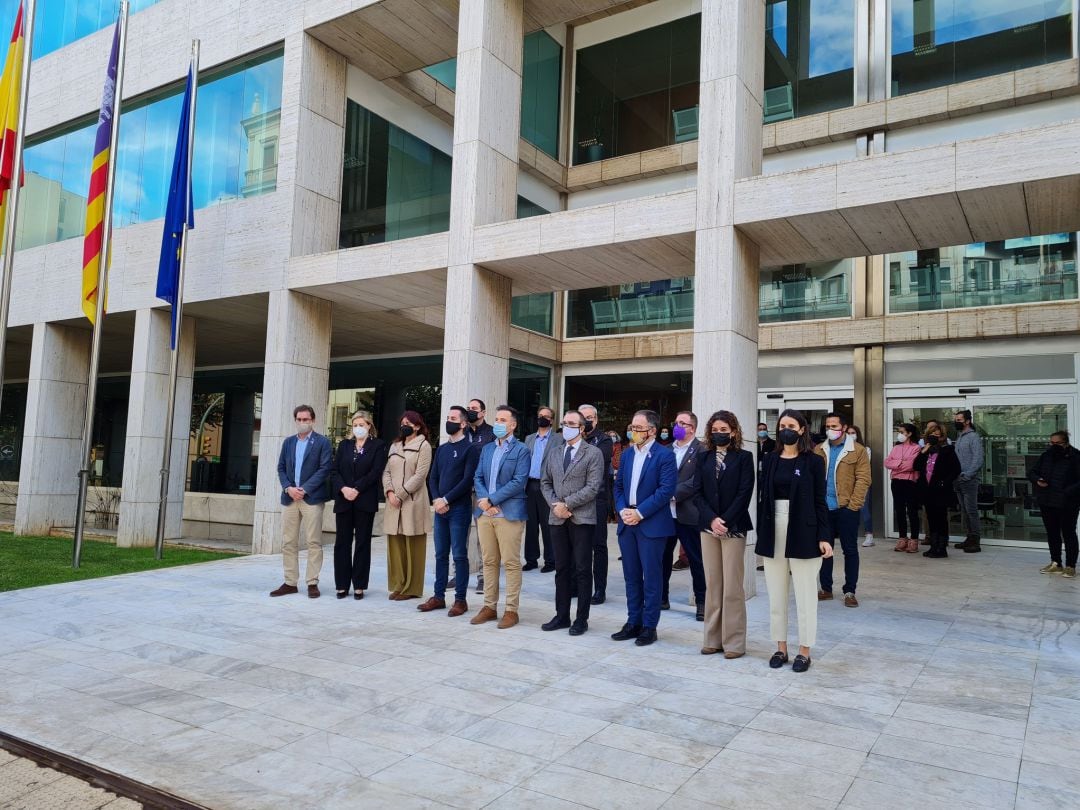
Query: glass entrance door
x,y
813,409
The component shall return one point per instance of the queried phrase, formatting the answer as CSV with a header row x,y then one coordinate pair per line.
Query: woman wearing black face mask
x,y
937,468
725,485
407,517
1056,476
793,533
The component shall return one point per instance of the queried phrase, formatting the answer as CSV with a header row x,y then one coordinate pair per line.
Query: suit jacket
x,y
657,484
727,497
577,486
318,461
686,510
508,492
602,442
938,491
555,440
366,478
808,516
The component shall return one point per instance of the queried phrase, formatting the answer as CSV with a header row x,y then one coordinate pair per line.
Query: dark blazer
x,y
686,510
808,516
939,490
368,476
1062,474
727,497
318,461
554,445
656,487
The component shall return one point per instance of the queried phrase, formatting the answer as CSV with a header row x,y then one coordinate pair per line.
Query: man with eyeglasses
x,y
602,442
304,464
541,445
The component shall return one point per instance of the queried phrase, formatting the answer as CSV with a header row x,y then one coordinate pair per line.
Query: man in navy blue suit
x,y
303,466
643,491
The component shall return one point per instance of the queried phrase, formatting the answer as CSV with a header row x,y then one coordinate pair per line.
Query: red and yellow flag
x,y
94,252
10,86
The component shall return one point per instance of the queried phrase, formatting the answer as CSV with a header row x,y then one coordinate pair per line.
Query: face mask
x,y
571,433
630,435
589,425
472,416
788,437
721,439
639,438
452,428
543,421
833,435
359,432
763,434
901,437
1058,450
679,432
500,430
959,427
304,428
932,441
406,431
663,434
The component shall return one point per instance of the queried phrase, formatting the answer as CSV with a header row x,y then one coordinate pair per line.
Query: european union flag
x,y
180,207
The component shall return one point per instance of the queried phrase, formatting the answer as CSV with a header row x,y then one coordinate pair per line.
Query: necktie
x,y
566,457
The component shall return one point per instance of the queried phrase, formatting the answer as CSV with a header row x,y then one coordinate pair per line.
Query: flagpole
x,y
13,192
178,321
102,285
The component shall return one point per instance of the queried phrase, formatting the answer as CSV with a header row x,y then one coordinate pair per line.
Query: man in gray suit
x,y
570,482
541,445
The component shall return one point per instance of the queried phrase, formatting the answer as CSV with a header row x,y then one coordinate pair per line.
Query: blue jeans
x,y
643,570
452,535
866,517
845,523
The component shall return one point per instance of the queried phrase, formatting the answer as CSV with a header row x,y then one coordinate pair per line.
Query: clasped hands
x,y
296,493
561,511
630,517
487,508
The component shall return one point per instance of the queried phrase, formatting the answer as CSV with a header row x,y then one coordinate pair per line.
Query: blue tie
x,y
566,457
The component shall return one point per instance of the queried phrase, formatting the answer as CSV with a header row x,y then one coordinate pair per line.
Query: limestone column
x,y
297,372
52,431
151,361
726,261
476,353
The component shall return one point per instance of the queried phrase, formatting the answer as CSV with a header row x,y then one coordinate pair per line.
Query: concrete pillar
x,y
726,261
151,361
52,432
297,372
476,353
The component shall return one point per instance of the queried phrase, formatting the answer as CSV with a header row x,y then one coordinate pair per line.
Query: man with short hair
x,y
541,445
478,431
602,442
969,452
500,481
304,464
643,492
570,482
847,480
684,509
764,443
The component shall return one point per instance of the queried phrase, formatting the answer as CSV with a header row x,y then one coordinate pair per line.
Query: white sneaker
x,y
869,541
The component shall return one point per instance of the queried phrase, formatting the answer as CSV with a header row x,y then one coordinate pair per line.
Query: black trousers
x,y
352,549
1060,523
690,537
536,526
573,547
906,507
937,518
599,547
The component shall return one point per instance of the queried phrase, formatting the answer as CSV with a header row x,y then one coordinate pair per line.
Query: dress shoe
x,y
486,614
711,650
665,605
451,583
973,549
459,607
823,596
547,569
778,659
358,595
579,627
801,663
628,632
731,655
480,584
393,595
313,591
700,614
508,620
434,603
850,600
284,590
598,598
529,566
342,594
405,597
680,565
646,637
555,624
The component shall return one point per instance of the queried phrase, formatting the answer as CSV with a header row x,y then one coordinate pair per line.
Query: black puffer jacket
x,y
1062,473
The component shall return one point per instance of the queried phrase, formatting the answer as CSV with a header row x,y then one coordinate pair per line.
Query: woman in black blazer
x,y
355,482
725,485
793,533
937,466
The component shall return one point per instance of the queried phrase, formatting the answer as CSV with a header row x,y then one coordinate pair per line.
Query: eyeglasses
x,y
640,429
569,425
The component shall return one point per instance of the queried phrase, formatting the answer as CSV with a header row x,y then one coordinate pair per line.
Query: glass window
x,y
649,306
618,396
528,388
236,136
1013,271
60,22
638,92
226,417
809,57
534,312
939,42
804,292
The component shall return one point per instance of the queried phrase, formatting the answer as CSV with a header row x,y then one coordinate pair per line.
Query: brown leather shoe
x,y
313,591
486,614
730,655
433,603
508,620
284,590
850,600
711,650
824,595
460,606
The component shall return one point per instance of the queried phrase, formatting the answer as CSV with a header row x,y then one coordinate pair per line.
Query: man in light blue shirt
x,y
541,445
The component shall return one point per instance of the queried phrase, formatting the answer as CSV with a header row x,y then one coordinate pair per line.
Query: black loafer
x,y
342,594
665,605
778,659
578,628
598,598
700,616
547,569
555,624
800,664
628,632
646,637
358,595
530,566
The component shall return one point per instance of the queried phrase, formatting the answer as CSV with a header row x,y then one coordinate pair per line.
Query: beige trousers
x,y
300,518
405,558
725,598
804,579
500,542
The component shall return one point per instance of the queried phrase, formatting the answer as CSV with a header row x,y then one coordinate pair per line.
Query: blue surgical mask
x,y
570,433
630,435
763,434
499,429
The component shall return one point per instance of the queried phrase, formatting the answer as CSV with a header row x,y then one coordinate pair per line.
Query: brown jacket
x,y
405,475
852,473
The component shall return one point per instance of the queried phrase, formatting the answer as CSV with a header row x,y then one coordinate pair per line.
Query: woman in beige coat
x,y
407,518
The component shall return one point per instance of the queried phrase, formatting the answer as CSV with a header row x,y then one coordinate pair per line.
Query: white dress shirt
x,y
640,454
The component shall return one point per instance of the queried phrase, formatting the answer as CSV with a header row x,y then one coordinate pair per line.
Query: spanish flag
x,y
93,251
10,86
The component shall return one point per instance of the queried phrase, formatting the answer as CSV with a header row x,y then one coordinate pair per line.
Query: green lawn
x,y
26,562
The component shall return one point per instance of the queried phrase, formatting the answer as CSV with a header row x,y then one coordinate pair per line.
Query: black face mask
x,y
959,427
788,437
472,416
406,431
453,428
721,439
589,425
1058,450
543,421
932,441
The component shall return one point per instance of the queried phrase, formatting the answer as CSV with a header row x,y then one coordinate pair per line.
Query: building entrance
x,y
618,396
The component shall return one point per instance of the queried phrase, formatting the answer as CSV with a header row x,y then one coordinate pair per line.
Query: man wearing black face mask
x,y
969,452
478,431
541,445
602,442
1056,476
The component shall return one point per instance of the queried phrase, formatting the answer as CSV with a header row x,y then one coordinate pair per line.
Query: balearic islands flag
x,y
10,87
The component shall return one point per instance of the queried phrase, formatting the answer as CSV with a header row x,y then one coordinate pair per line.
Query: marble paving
x,y
955,684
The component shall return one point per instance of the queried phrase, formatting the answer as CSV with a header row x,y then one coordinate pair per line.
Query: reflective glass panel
x,y
528,388
649,306
803,292
60,22
939,42
533,312
1012,271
